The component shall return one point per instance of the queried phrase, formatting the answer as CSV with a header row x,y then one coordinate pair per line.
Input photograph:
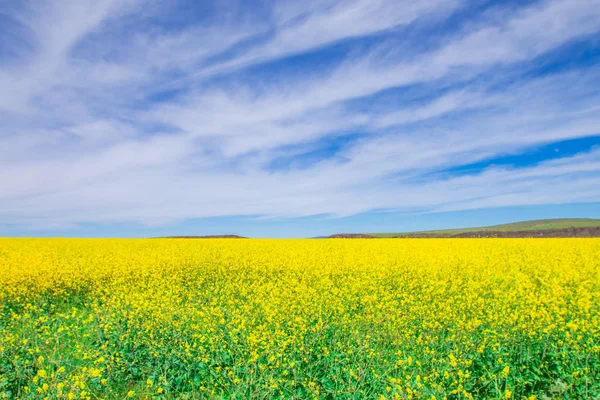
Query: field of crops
x,y
404,319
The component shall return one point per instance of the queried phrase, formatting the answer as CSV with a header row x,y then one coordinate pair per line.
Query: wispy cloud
x,y
113,113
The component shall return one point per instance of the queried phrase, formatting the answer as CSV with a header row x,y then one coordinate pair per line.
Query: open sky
x,y
295,118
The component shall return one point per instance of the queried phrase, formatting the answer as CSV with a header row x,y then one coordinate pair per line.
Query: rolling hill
x,y
534,225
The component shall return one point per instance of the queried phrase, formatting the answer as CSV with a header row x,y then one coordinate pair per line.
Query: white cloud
x,y
99,129
300,26
525,35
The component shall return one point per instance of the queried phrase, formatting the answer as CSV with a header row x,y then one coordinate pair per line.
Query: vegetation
x,y
540,224
354,319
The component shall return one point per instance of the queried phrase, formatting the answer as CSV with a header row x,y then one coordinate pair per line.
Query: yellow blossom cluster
x,y
354,319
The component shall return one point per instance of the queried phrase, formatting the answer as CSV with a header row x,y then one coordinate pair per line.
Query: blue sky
x,y
288,118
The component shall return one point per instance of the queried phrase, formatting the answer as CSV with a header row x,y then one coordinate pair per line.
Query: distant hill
x,y
352,236
205,237
523,226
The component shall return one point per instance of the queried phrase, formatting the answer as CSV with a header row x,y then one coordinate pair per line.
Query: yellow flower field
x,y
405,319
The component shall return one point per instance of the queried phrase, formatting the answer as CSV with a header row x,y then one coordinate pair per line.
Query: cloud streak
x,y
190,120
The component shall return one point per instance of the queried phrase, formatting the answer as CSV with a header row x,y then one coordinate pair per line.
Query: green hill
x,y
515,226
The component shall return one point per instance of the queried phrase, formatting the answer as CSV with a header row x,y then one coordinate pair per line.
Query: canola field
x,y
263,319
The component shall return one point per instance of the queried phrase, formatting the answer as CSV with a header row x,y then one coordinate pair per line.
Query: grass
x,y
539,224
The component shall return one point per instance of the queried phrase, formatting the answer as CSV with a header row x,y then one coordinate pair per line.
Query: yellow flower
x,y
268,307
